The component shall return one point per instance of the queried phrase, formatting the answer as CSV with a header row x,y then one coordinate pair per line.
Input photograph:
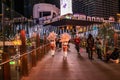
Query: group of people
x,y
62,41
91,46
96,45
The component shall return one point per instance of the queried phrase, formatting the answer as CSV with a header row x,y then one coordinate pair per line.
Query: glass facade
x,y
100,8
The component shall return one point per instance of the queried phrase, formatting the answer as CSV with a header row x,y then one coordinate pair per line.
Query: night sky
x,y
19,5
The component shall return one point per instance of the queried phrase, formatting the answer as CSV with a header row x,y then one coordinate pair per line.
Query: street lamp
x,y
17,42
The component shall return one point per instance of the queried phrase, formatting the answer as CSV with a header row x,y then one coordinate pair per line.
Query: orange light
x,y
17,42
84,29
80,29
67,27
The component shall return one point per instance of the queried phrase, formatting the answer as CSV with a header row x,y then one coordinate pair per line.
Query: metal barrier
x,y
15,62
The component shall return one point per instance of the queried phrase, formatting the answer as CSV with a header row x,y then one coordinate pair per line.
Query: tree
x,y
106,32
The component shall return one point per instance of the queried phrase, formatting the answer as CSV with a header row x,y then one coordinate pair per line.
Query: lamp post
x,y
17,43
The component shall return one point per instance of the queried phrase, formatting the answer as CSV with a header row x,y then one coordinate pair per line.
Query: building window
x,y
43,14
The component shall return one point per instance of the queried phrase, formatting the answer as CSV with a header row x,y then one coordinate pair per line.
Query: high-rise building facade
x,y
100,8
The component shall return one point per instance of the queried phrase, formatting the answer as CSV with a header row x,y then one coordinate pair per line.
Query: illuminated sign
x,y
66,7
12,62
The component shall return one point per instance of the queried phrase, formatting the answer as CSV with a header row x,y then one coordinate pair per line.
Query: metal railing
x,y
31,56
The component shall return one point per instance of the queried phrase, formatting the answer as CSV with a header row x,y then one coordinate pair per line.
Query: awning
x,y
72,22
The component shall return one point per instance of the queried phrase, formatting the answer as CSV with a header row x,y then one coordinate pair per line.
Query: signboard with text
x,y
65,7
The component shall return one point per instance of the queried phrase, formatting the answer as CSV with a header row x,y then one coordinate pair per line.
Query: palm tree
x,y
107,33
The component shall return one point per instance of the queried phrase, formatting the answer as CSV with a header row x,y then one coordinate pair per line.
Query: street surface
x,y
73,68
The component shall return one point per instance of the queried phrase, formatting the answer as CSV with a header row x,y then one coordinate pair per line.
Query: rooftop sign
x,y
65,7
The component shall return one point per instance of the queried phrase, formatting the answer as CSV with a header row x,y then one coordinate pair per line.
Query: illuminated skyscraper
x,y
100,8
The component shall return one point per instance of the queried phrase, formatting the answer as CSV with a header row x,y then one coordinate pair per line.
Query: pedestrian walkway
x,y
73,68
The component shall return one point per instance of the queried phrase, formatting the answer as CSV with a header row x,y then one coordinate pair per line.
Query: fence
x,y
15,63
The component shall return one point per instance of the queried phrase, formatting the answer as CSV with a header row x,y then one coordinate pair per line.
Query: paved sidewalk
x,y
74,68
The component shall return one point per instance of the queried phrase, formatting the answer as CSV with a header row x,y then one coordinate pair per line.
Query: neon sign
x,y
66,7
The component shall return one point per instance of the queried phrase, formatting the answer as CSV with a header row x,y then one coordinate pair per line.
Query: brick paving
x,y
74,68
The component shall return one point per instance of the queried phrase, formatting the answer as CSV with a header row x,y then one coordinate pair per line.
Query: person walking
x,y
53,47
77,44
65,48
90,46
57,42
52,39
99,48
65,37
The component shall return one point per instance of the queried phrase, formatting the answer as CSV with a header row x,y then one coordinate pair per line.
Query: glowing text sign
x,y
66,7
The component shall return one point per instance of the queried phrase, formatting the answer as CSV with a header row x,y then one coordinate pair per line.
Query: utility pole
x,y
3,25
5,57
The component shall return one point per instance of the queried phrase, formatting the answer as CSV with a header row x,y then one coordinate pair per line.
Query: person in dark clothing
x,y
98,48
90,46
114,55
57,42
60,43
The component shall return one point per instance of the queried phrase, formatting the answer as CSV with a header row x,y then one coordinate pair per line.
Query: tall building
x,y
100,8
